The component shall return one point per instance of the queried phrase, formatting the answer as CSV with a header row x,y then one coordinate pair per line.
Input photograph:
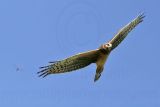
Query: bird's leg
x,y
98,73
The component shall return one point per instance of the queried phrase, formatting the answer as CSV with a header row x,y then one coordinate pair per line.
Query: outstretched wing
x,y
69,64
119,37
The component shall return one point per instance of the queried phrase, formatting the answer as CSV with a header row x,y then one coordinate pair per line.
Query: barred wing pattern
x,y
98,56
69,64
119,37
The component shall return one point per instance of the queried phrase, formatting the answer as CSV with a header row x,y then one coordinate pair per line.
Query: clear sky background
x,y
34,32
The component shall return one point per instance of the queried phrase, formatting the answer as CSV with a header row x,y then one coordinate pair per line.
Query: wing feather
x,y
119,37
69,64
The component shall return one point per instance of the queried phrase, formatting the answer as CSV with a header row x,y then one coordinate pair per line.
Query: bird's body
x,y
98,56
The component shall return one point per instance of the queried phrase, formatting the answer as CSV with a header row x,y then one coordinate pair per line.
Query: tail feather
x,y
97,76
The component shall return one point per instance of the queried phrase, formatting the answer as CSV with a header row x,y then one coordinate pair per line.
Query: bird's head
x,y
106,47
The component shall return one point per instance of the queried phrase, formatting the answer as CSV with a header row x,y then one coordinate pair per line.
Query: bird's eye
x,y
109,45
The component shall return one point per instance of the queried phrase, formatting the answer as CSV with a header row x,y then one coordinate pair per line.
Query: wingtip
x,y
43,73
141,16
42,67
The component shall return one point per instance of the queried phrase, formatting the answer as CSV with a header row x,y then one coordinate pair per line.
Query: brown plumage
x,y
98,56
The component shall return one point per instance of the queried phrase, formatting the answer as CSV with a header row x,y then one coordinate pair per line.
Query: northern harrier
x,y
98,56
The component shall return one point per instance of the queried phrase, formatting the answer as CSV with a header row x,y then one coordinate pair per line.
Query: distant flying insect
x,y
98,56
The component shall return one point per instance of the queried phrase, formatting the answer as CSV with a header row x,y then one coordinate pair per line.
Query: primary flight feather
x,y
98,56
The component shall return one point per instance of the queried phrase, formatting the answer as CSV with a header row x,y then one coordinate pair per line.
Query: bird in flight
x,y
97,56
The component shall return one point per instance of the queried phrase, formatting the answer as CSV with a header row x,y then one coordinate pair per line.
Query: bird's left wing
x,y
69,64
119,37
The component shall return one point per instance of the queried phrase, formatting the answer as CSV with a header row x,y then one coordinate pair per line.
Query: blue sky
x,y
34,32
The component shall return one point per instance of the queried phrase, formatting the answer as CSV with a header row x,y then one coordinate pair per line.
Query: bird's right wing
x,y
69,64
119,37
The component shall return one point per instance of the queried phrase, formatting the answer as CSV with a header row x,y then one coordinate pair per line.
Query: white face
x,y
108,46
